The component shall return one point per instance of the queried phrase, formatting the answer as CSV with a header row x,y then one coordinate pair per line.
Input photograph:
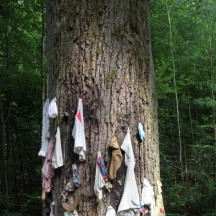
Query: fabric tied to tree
x,y
99,180
47,169
110,211
141,131
74,213
76,176
57,159
78,133
53,110
148,196
130,197
159,200
142,209
116,158
45,130
103,169
68,214
51,209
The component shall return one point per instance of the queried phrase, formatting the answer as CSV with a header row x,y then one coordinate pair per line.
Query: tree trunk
x,y
100,50
176,91
4,173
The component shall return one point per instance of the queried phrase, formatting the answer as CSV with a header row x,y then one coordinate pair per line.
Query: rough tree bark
x,y
100,50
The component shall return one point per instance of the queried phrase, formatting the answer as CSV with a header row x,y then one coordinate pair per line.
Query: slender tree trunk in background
x,y
4,174
190,117
42,54
21,159
43,75
192,134
211,74
4,116
175,89
13,140
100,50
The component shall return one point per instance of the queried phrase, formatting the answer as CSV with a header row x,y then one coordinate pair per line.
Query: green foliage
x,y
193,31
21,72
26,204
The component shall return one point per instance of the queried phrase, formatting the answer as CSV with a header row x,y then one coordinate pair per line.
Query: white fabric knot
x,y
53,110
110,211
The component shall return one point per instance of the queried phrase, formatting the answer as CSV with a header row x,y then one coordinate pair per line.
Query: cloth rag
x,y
148,197
53,110
102,166
47,169
116,158
99,181
130,197
141,131
110,211
45,130
78,132
76,175
159,200
57,159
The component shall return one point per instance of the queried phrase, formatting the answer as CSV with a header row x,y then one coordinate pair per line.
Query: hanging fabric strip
x,y
110,211
45,130
57,159
79,133
47,169
53,110
159,200
141,131
116,158
130,197
99,181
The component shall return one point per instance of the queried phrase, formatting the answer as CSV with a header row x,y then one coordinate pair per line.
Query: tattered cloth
x,y
48,170
103,168
53,110
57,159
130,197
116,158
78,132
99,181
110,211
45,130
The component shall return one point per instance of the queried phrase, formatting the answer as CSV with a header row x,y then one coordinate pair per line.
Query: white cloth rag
x,y
74,213
99,181
159,200
110,211
57,159
51,209
45,130
159,185
148,196
141,131
53,110
79,132
130,197
147,193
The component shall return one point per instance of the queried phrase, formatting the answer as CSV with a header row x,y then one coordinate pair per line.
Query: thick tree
x,y
100,51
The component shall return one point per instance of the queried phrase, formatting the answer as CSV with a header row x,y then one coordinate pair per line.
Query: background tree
x,y
100,51
193,41
20,107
